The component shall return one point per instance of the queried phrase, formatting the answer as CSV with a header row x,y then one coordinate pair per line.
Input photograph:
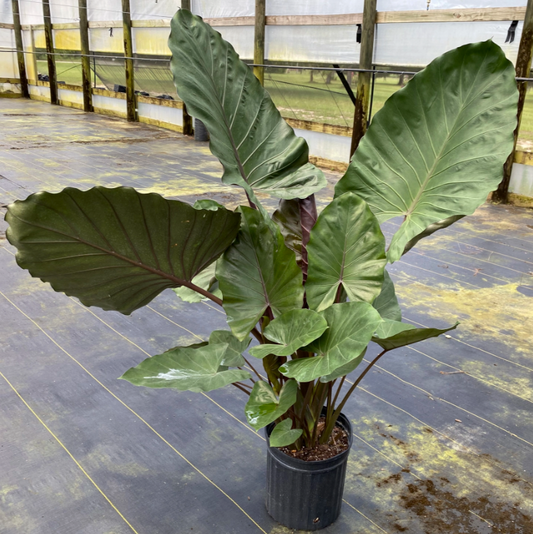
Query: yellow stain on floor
x,y
5,491
499,312
455,481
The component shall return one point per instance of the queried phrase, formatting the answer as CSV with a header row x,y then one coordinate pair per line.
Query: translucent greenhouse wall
x,y
297,32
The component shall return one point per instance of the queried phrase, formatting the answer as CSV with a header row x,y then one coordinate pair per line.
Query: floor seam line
x,y
68,452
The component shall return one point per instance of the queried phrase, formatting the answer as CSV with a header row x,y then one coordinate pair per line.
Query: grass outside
x,y
295,93
298,97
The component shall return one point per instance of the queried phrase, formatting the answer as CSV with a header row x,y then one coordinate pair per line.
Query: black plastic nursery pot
x,y
200,131
306,495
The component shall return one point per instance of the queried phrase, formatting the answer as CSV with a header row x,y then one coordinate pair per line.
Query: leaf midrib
x,y
445,143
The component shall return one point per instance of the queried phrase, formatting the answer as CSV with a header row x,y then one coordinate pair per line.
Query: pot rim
x,y
315,465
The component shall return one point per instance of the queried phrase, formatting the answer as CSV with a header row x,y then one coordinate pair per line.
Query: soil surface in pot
x,y
338,442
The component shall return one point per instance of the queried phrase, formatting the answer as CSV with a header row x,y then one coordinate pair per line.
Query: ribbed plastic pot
x,y
306,495
200,131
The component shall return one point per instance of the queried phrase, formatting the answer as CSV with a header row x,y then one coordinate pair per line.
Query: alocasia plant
x,y
312,290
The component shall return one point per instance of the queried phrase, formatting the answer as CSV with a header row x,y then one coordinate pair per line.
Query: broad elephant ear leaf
x,y
351,325
287,217
346,251
264,406
116,248
205,280
186,369
386,302
233,356
258,272
257,148
431,229
282,435
437,147
289,332
395,334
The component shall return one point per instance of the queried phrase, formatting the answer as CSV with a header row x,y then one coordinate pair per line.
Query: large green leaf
x,y
264,407
431,229
206,280
344,370
116,248
258,272
346,249
233,356
386,302
292,330
351,325
437,147
248,135
394,334
287,217
282,435
186,369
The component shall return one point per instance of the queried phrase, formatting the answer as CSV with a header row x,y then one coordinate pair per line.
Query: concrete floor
x,y
443,433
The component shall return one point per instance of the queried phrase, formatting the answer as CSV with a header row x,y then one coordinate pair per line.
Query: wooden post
x,y
128,53
362,103
187,119
259,39
85,59
52,76
523,68
20,50
33,55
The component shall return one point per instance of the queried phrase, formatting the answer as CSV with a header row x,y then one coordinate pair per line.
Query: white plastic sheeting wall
x,y
221,8
153,9
409,5
63,11
6,15
109,10
313,7
8,61
396,44
104,10
291,44
8,67
418,43
402,44
31,12
522,180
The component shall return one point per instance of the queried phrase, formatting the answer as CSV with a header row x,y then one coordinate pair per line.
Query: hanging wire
x,y
296,67
82,55
91,8
283,96
308,87
334,99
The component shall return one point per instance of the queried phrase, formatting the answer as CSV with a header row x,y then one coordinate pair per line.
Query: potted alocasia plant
x,y
311,289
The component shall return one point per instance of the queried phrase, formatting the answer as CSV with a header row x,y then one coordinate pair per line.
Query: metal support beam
x,y
259,39
131,111
523,68
20,50
360,119
49,38
345,83
85,59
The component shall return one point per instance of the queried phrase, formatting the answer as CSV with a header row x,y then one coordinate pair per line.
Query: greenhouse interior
x,y
242,206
